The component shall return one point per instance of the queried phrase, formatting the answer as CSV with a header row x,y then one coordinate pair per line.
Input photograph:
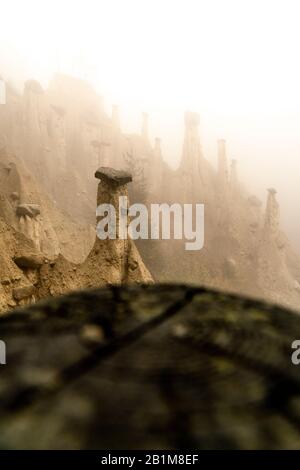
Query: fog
x,y
236,63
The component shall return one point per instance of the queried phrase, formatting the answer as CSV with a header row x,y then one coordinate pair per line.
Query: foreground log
x,y
169,367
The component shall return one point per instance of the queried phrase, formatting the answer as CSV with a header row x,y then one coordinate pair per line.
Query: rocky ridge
x,y
53,141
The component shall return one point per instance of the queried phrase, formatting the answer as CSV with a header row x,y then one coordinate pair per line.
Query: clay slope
x,y
51,230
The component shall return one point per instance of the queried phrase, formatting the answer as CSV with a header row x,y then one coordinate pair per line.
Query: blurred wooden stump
x,y
162,367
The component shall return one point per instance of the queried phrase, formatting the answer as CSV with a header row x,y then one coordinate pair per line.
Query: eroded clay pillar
x,y
155,171
157,148
192,178
116,139
118,255
112,187
191,154
115,116
102,152
222,162
145,123
234,183
272,214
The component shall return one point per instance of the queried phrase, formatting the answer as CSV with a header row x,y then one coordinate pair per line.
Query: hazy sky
x,y
236,62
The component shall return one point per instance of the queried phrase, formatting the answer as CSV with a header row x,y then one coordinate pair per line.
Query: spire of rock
x,y
272,213
192,152
115,117
222,162
101,148
157,148
116,156
120,254
234,182
112,187
145,121
273,274
155,170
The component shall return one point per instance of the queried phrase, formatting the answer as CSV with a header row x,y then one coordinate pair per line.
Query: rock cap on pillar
x,y
31,210
112,176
